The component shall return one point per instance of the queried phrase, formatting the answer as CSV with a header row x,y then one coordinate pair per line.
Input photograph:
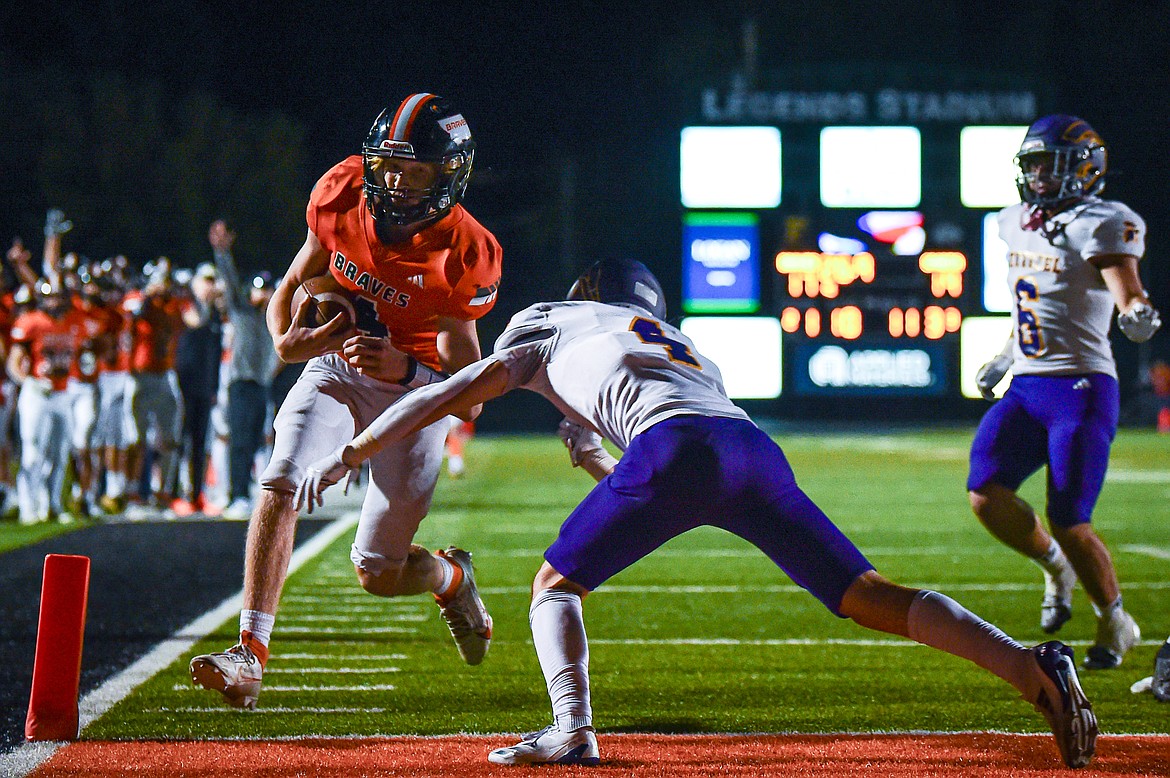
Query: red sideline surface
x,y
52,706
970,755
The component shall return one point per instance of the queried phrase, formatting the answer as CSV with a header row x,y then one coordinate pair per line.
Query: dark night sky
x,y
598,80
604,87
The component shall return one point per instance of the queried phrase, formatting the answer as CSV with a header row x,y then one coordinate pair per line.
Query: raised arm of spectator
x,y
56,225
19,257
221,240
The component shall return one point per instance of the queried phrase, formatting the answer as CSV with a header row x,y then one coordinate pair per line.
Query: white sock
x,y
1052,561
447,570
937,621
259,624
115,483
1107,611
558,631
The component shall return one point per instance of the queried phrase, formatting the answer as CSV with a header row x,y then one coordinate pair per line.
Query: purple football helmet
x,y
1062,158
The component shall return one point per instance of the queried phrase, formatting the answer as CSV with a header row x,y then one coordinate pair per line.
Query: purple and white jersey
x,y
612,368
1061,307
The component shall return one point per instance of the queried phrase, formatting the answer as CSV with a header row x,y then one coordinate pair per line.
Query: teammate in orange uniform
x,y
46,345
8,392
458,433
389,227
7,388
83,387
156,316
110,436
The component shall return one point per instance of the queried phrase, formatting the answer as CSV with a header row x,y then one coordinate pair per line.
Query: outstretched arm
x,y
1137,319
475,384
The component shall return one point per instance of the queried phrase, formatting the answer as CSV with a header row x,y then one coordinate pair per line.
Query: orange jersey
x,y
449,269
109,326
7,317
55,346
154,324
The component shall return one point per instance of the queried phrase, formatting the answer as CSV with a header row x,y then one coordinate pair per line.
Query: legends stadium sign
x,y
883,106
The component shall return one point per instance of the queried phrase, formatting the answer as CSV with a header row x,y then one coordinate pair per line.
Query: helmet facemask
x,y
1062,159
416,161
404,190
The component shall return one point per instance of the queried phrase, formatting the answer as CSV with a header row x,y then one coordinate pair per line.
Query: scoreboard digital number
x,y
851,295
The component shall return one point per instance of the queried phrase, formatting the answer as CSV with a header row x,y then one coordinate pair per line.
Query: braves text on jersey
x,y
449,269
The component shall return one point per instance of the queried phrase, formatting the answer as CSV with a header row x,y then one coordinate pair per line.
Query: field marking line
x,y
29,756
858,642
347,657
1138,476
330,670
1153,551
366,687
794,589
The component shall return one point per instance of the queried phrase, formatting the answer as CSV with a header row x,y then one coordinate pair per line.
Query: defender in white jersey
x,y
607,359
1072,258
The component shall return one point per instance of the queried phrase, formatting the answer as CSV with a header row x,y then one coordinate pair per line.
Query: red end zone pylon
x,y
52,706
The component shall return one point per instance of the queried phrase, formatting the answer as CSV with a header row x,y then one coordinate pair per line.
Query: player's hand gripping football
x,y
319,476
991,374
300,343
1140,322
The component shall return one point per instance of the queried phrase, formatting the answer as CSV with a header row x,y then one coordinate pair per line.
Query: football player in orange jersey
x,y
110,434
156,317
46,344
389,227
84,384
16,254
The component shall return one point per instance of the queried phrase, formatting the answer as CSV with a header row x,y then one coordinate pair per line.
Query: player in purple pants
x,y
1072,259
607,359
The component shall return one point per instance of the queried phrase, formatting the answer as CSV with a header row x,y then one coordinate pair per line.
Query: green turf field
x,y
704,636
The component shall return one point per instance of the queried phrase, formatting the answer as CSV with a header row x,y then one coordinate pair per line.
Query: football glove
x,y
991,374
584,444
319,476
1140,322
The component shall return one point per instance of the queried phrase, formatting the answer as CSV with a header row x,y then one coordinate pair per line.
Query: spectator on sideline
x,y
197,358
251,369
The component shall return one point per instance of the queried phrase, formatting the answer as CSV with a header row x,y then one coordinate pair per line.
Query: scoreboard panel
x,y
882,239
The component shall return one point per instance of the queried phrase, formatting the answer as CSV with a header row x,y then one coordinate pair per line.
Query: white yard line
x,y
348,615
794,589
28,756
1154,551
864,643
362,628
269,710
347,657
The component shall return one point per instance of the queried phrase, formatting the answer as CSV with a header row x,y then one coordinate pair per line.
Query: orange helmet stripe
x,y
407,113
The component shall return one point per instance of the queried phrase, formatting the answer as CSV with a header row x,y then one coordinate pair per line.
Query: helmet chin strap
x,y
389,233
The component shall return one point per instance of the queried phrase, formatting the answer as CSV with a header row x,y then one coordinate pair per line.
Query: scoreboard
x,y
862,223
